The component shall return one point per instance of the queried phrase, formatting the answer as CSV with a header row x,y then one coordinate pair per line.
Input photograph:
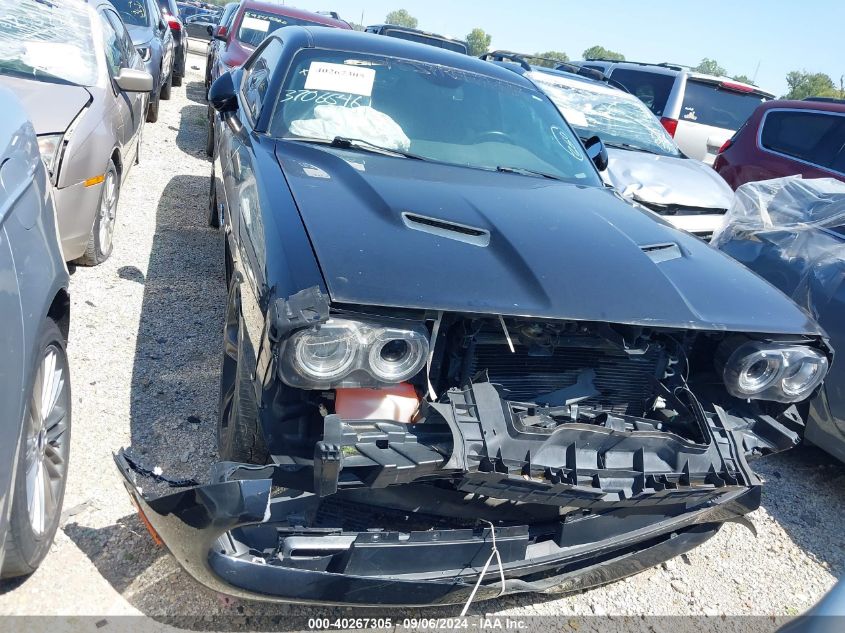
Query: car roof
x,y
824,106
667,68
280,9
360,42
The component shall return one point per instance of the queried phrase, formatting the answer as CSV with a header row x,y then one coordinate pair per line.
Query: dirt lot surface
x,y
145,348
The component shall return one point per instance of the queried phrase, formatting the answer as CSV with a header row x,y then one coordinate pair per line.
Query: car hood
x,y
667,181
486,242
51,106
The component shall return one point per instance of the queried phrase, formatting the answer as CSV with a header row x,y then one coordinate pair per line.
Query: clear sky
x,y
780,35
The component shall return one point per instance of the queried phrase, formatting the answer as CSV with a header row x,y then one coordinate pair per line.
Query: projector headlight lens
x,y
351,353
757,370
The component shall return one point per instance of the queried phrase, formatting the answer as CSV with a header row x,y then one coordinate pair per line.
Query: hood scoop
x,y
662,252
447,229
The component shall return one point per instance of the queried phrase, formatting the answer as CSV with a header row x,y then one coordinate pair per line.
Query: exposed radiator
x,y
622,380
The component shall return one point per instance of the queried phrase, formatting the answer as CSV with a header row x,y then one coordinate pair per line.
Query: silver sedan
x,y
83,85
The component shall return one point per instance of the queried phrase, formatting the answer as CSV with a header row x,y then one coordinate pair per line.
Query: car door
x,y
162,31
120,53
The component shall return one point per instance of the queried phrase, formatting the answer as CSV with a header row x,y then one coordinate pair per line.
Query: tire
x,y
42,460
167,88
213,212
152,109
101,240
239,435
209,133
177,79
138,149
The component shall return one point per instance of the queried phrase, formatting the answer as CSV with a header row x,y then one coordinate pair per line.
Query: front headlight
x,y
50,146
347,353
145,52
769,371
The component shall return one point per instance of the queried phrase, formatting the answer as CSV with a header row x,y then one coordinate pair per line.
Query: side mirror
x,y
210,30
222,95
597,152
162,25
221,34
132,80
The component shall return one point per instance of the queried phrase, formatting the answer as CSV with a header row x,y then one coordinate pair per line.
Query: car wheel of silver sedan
x,y
101,240
42,458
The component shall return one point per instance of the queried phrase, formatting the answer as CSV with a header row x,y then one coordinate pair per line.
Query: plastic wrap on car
x,y
802,223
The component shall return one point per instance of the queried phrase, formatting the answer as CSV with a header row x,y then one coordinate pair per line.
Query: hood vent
x,y
447,229
662,252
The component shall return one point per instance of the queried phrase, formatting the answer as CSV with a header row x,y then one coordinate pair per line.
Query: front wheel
x,y
166,89
239,435
209,132
213,212
101,240
43,458
152,108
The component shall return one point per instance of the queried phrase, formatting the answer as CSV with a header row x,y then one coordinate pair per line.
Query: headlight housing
x,y
756,370
351,353
50,146
145,52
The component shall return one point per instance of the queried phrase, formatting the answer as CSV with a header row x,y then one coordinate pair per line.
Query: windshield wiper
x,y
344,142
522,171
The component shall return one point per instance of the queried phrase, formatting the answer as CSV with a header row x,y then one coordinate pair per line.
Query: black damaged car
x,y
443,332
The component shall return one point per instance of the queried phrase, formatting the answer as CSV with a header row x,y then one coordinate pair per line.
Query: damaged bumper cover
x,y
390,514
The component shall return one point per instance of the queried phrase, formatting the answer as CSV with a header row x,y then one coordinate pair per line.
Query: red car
x,y
787,138
256,20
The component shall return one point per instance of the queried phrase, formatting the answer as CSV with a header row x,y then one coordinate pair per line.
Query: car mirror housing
x,y
132,80
210,30
597,152
222,95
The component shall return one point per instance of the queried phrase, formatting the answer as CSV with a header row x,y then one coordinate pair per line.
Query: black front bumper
x,y
387,514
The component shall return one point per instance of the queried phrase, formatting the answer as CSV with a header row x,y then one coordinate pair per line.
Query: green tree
x,y
600,52
478,42
805,84
743,79
401,17
552,56
710,67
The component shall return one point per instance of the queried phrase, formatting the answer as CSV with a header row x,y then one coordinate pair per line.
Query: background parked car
x,y
219,33
88,115
786,138
200,25
645,164
421,37
35,403
700,111
151,37
180,38
791,232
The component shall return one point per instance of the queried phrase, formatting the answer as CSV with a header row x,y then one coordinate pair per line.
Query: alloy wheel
x,y
108,212
46,448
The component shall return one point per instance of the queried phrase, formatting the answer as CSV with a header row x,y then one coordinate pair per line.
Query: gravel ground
x,y
145,351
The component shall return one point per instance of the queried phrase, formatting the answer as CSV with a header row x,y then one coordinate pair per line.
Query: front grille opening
x,y
624,382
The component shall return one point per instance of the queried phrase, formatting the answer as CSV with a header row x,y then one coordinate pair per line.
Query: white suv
x,y
700,111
